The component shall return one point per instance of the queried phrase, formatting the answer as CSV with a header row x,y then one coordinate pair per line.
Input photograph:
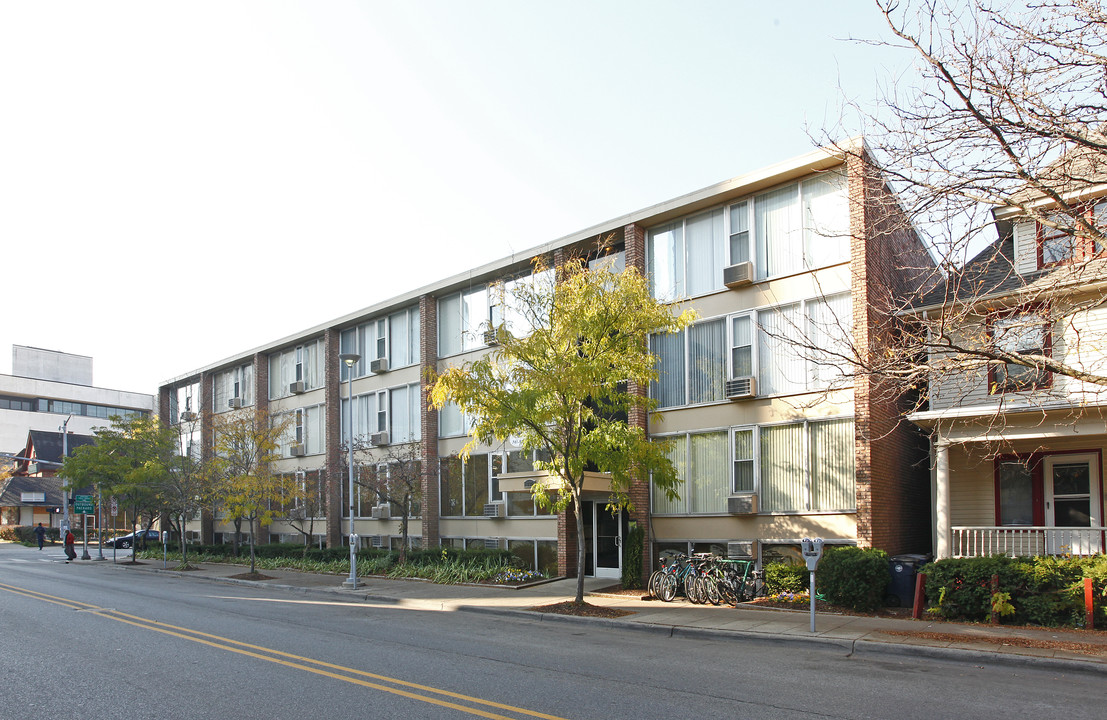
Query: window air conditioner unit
x,y
741,550
745,504
490,338
377,541
378,439
296,450
381,512
378,366
741,388
495,509
296,388
32,468
495,544
187,416
234,403
739,275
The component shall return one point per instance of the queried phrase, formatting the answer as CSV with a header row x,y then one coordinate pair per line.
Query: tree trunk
x,y
403,530
253,536
580,546
184,543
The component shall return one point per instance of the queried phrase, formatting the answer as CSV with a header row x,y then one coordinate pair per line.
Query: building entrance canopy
x,y
525,481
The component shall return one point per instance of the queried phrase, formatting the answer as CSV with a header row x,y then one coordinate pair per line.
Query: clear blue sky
x,y
181,181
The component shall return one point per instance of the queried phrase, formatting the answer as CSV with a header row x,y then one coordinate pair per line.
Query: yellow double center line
x,y
395,686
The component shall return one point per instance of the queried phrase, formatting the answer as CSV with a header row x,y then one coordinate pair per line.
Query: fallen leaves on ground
x,y
1076,647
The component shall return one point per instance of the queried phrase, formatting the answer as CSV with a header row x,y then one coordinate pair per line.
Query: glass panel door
x,y
1072,501
603,540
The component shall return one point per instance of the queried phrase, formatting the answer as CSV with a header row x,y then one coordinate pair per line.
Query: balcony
x,y
1025,540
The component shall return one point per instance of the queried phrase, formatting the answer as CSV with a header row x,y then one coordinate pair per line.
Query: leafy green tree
x,y
245,484
131,459
186,488
558,379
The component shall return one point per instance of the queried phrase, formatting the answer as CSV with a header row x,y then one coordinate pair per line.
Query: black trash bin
x,y
901,586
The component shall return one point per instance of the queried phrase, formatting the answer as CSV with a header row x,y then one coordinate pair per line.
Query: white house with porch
x,y
1017,450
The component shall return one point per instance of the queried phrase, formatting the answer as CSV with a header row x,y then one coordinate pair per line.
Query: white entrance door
x,y
1072,501
604,541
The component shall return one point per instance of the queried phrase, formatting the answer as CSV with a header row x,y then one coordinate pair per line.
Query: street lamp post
x,y
65,493
350,359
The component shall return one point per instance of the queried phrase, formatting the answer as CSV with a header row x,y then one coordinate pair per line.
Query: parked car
x,y
126,541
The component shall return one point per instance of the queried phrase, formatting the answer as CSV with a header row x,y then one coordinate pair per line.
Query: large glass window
x,y
395,338
701,463
785,230
798,467
234,384
461,320
707,353
1020,334
1016,494
789,349
303,363
668,389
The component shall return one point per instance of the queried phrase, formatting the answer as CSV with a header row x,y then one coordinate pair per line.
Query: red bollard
x,y
1089,615
920,596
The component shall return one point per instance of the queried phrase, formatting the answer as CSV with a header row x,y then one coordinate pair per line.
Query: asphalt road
x,y
112,642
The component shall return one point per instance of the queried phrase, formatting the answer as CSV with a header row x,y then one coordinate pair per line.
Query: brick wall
x,y
207,443
261,415
428,354
893,481
335,470
634,238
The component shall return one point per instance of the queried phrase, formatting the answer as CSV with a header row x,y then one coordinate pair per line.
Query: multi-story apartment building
x,y
1018,448
774,439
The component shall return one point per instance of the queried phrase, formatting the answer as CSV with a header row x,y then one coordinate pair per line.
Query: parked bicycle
x,y
706,578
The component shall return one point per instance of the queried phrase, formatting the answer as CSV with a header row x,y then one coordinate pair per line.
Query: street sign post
x,y
812,551
83,505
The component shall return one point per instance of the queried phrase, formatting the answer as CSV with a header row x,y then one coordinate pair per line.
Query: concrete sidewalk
x,y
1071,649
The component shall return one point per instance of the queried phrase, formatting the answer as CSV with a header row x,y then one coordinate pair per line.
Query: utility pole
x,y
65,493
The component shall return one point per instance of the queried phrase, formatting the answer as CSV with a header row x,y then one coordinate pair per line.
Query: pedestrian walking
x,y
70,552
40,535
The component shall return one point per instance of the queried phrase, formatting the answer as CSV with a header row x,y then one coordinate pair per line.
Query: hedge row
x,y
26,534
415,557
1044,590
849,576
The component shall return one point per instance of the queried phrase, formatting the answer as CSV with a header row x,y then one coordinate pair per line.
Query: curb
x,y
876,647
850,647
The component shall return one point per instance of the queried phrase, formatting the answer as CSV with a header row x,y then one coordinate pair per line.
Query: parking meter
x,y
812,550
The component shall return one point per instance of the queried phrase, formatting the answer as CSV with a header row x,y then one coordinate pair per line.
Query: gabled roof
x,y
991,272
47,445
12,489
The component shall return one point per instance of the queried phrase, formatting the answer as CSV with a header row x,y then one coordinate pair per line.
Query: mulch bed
x,y
569,607
250,576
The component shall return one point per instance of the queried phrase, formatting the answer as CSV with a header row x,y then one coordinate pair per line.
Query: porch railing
x,y
976,541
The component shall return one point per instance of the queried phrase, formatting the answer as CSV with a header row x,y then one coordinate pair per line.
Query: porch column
x,y
943,540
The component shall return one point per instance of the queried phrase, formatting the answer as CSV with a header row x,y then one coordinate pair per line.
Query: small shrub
x,y
853,577
782,577
632,558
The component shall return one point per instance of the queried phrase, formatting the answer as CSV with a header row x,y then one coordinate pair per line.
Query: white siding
x,y
1026,247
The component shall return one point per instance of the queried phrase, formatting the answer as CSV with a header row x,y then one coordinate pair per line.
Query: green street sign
x,y
82,505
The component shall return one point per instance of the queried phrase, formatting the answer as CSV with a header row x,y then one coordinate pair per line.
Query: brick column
x,y
163,405
335,472
634,245
428,354
207,444
567,542
261,416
